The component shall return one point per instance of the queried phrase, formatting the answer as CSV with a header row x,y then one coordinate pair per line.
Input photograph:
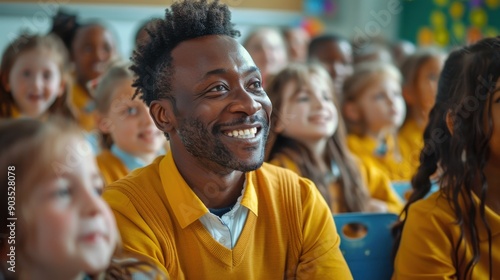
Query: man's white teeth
x,y
243,133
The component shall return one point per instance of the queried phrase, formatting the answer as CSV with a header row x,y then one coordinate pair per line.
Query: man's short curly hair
x,y
185,20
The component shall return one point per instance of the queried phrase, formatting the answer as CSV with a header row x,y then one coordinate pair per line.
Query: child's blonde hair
x,y
18,47
103,95
364,74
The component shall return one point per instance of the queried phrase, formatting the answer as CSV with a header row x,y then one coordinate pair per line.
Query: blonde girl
x,y
63,228
308,137
372,111
34,79
130,138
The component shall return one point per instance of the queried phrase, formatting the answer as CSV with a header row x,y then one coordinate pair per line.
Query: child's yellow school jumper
x,y
115,164
289,232
367,150
411,141
111,167
430,237
85,107
379,185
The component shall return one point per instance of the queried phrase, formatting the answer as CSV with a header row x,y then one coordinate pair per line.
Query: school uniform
x,y
116,164
280,228
431,236
411,141
85,107
383,157
378,185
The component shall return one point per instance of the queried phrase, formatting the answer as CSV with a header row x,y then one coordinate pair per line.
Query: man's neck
x,y
215,186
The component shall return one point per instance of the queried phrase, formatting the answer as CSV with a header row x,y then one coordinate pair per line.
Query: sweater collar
x,y
185,204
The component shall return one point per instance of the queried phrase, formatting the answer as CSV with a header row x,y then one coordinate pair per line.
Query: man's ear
x,y
162,113
351,112
449,122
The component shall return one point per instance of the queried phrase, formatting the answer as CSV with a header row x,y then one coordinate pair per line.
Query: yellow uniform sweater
x,y
112,168
411,141
429,240
84,106
289,232
365,148
379,185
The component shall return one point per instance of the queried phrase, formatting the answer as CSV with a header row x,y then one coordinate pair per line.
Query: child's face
x,y
426,84
130,124
268,51
93,48
35,82
378,103
71,228
336,57
308,114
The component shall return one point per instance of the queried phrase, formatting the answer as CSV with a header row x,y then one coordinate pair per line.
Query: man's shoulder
x,y
279,178
277,173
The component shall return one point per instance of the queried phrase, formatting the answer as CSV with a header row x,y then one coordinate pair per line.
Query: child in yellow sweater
x,y
58,225
34,80
421,72
308,137
129,137
371,109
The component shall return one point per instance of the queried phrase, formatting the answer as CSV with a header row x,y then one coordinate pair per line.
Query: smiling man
x,y
210,208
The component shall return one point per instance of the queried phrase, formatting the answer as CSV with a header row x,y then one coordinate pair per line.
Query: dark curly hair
x,y
184,21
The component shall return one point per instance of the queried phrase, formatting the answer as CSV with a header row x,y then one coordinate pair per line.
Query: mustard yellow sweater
x,y
411,141
111,167
397,169
378,184
289,232
430,238
82,102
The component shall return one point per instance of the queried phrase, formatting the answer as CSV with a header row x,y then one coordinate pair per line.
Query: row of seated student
x,y
308,134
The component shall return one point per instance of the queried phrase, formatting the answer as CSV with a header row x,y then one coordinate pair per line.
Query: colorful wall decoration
x,y
449,22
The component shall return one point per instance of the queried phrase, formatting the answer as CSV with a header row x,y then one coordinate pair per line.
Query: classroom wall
x,y
359,19
124,20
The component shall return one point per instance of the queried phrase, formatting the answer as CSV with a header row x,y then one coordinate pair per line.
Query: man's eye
x,y
218,88
256,85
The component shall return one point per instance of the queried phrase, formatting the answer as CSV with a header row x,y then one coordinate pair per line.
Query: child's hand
x,y
377,206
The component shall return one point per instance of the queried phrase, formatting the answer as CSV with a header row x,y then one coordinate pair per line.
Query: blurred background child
x,y
130,137
421,72
460,234
64,229
297,41
308,137
34,79
268,50
92,48
371,113
335,54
